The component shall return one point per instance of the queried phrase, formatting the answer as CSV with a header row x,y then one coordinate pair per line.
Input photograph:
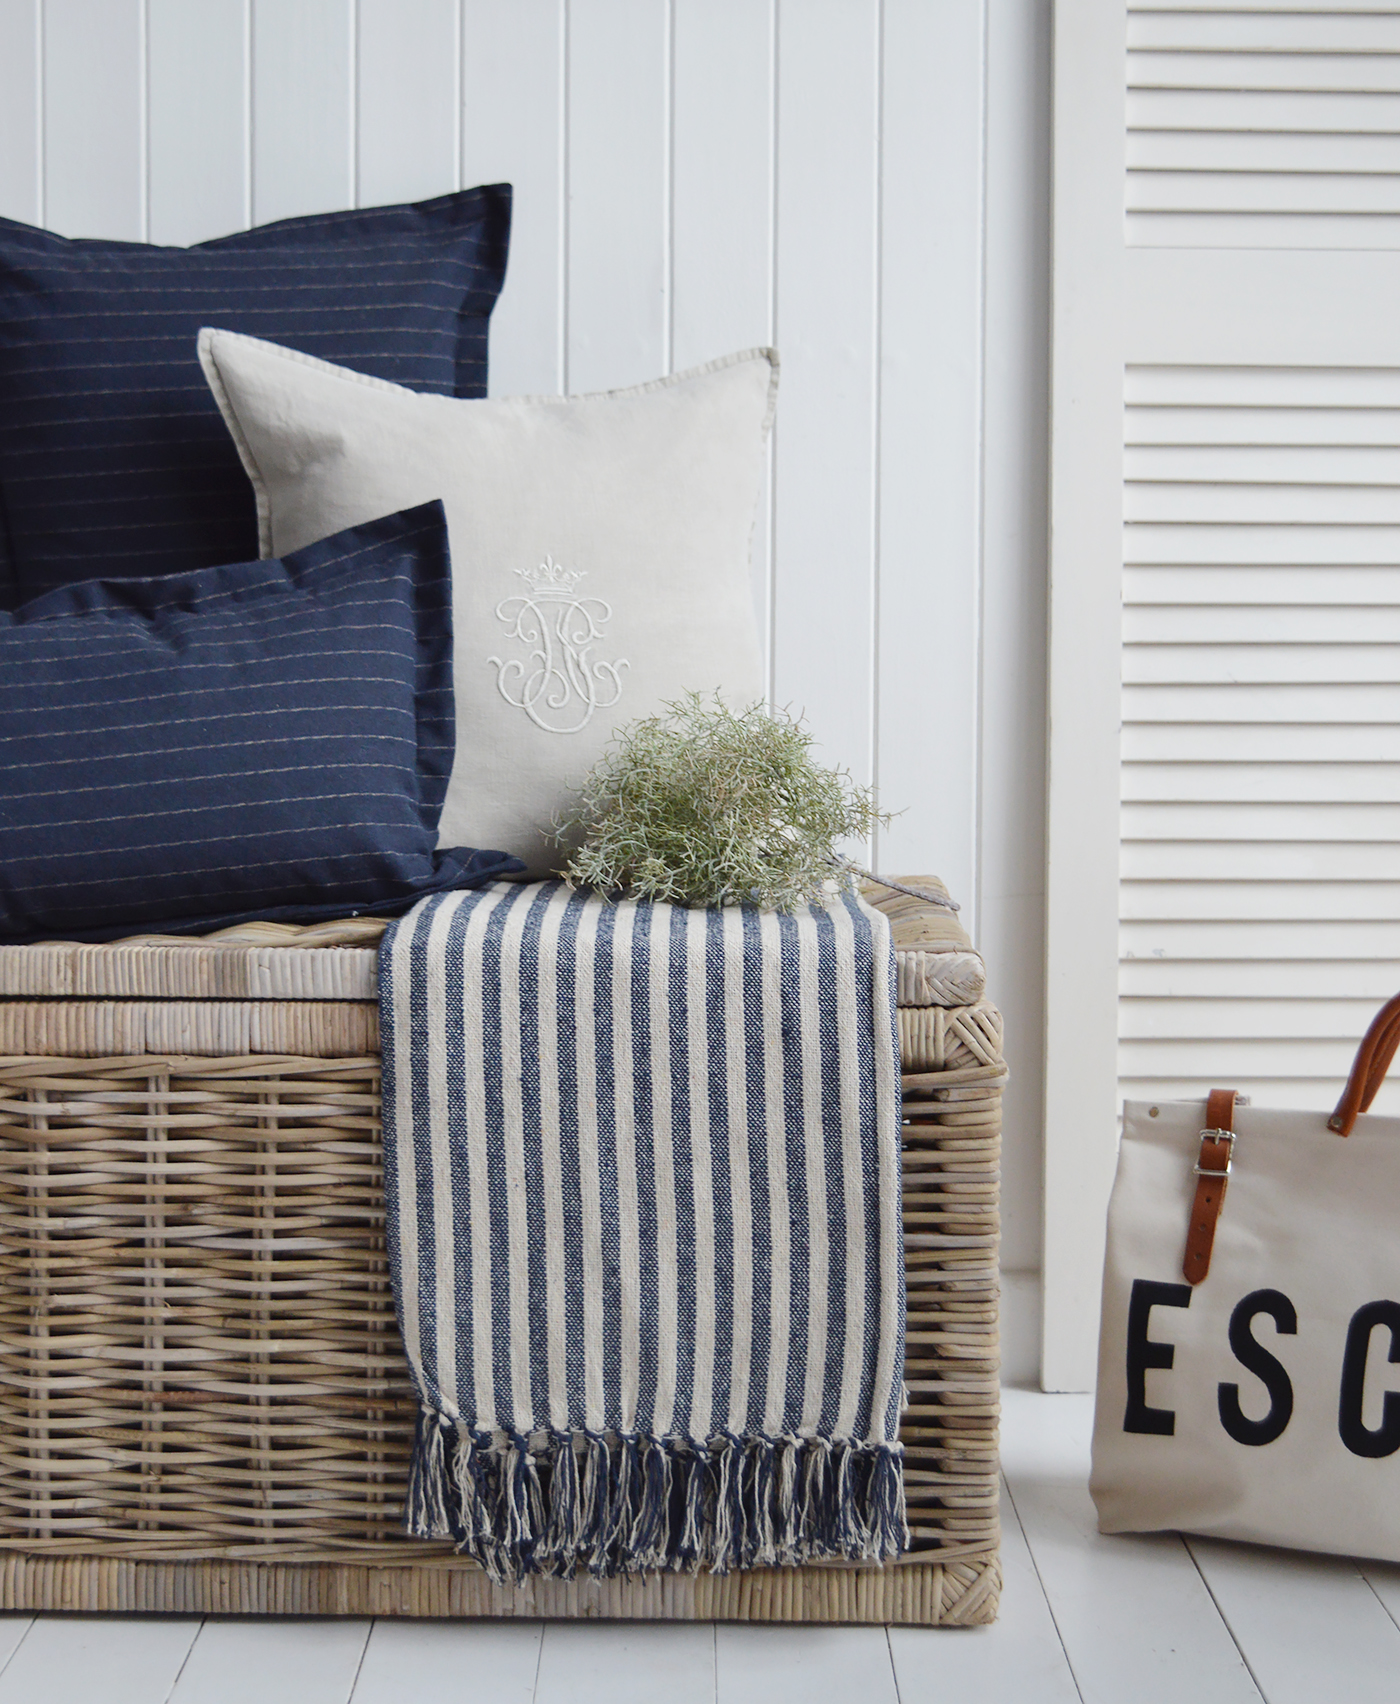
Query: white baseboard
x,y
1020,1328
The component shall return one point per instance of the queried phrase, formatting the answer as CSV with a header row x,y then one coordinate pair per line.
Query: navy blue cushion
x,y
268,739
113,458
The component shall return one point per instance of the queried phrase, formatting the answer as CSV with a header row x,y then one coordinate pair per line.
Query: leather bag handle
x,y
1373,1057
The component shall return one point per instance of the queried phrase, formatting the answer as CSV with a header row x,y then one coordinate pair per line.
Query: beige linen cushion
x,y
600,548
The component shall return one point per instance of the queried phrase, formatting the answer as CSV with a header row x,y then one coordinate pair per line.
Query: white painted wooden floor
x,y
1154,1620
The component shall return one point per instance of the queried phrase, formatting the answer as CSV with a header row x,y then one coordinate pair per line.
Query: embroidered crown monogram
x,y
558,684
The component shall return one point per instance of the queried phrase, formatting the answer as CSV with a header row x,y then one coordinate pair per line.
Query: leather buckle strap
x,y
1212,1173
1211,1139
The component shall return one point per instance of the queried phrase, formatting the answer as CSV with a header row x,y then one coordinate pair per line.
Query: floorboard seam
x,y
1225,1619
18,1642
359,1666
894,1668
1375,1594
185,1660
1040,1581
539,1659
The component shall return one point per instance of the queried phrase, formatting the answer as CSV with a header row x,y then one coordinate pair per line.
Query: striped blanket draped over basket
x,y
642,1176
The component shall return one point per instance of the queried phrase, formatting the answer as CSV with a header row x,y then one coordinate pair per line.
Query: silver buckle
x,y
1228,1138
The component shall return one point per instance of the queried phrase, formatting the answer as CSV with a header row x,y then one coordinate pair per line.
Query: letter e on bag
x,y
1144,1353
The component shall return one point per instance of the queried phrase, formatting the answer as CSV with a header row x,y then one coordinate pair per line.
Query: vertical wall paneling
x,y
824,607
408,67
1011,904
20,170
197,118
95,118
722,293
303,117
512,132
722,199
619,192
930,411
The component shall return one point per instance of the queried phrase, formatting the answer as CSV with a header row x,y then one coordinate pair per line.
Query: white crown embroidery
x,y
551,580
558,684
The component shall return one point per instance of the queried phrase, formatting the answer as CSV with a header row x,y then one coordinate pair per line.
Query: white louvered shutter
x,y
1260,898
1257,355
1267,126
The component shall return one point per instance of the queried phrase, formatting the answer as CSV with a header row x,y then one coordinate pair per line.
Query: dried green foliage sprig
x,y
706,807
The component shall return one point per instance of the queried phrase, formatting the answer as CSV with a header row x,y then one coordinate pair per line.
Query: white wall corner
x,y
1020,1328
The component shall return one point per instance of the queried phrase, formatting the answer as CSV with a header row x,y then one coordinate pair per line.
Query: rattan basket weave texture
x,y
203,1399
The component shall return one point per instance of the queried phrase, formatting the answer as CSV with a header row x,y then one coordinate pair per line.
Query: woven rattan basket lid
x,y
338,961
254,961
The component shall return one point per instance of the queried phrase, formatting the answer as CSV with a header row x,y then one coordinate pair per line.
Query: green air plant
x,y
705,807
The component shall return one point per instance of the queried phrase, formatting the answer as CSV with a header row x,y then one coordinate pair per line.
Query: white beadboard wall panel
x,y
408,100
303,107
1243,763
197,60
930,400
722,178
513,106
21,172
1010,696
861,182
619,177
827,329
94,118
722,203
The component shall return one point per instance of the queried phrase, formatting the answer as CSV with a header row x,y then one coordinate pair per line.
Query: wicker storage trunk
x,y
203,1401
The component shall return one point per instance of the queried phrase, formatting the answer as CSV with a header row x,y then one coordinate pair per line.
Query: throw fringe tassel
x,y
694,1466
556,1502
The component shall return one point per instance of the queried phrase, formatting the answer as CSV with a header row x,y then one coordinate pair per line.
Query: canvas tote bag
x,y
1249,1362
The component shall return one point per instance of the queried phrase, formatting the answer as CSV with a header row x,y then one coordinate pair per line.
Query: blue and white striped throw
x,y
643,1185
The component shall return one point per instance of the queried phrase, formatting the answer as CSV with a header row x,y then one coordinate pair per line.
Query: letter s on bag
x,y
1267,1368
1359,1439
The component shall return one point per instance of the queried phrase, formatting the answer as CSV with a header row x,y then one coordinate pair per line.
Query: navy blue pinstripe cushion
x,y
267,739
113,458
